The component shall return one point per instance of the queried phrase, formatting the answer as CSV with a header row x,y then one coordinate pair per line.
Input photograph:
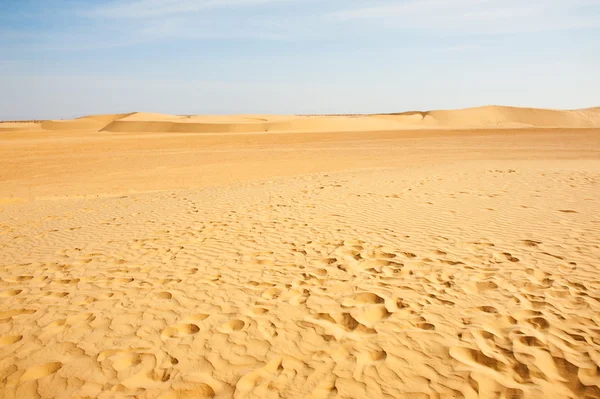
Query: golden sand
x,y
418,255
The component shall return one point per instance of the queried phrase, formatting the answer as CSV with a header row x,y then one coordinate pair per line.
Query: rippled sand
x,y
351,265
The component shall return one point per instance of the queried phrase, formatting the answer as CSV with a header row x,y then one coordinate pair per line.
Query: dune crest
x,y
469,118
492,116
487,117
92,122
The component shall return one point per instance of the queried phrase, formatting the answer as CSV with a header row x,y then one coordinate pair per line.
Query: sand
x,y
158,256
471,118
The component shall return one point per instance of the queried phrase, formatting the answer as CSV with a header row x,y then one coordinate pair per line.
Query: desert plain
x,y
440,254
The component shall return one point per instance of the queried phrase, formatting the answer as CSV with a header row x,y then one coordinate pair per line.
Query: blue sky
x,y
67,58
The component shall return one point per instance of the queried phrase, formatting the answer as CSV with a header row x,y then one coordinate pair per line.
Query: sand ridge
x,y
482,117
471,118
92,122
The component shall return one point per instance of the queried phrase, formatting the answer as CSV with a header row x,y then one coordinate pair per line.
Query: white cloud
x,y
306,20
461,48
155,8
337,19
475,16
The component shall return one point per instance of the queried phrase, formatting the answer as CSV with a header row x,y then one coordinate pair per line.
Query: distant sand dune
x,y
469,118
514,117
92,122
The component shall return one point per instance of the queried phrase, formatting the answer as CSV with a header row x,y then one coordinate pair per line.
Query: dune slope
x,y
470,118
487,117
92,122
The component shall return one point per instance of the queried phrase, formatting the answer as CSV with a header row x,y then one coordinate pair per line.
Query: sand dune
x,y
344,264
256,124
487,117
92,122
475,118
470,118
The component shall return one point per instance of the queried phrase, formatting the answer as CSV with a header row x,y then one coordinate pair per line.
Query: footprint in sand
x,y
198,317
43,370
179,330
369,315
9,293
510,257
365,298
344,322
164,295
271,293
233,326
124,360
531,243
51,295
10,339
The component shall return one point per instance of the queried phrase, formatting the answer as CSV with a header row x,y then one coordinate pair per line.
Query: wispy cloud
x,y
461,48
331,19
475,16
101,24
154,8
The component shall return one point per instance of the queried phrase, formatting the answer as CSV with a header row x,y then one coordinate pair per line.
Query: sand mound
x,y
74,124
105,119
165,126
92,122
470,118
496,116
256,125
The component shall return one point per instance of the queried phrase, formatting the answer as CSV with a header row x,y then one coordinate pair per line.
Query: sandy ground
x,y
354,264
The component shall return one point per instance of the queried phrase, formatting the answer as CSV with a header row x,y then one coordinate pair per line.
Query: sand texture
x,y
139,259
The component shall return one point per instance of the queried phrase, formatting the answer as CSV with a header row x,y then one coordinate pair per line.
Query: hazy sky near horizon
x,y
67,58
